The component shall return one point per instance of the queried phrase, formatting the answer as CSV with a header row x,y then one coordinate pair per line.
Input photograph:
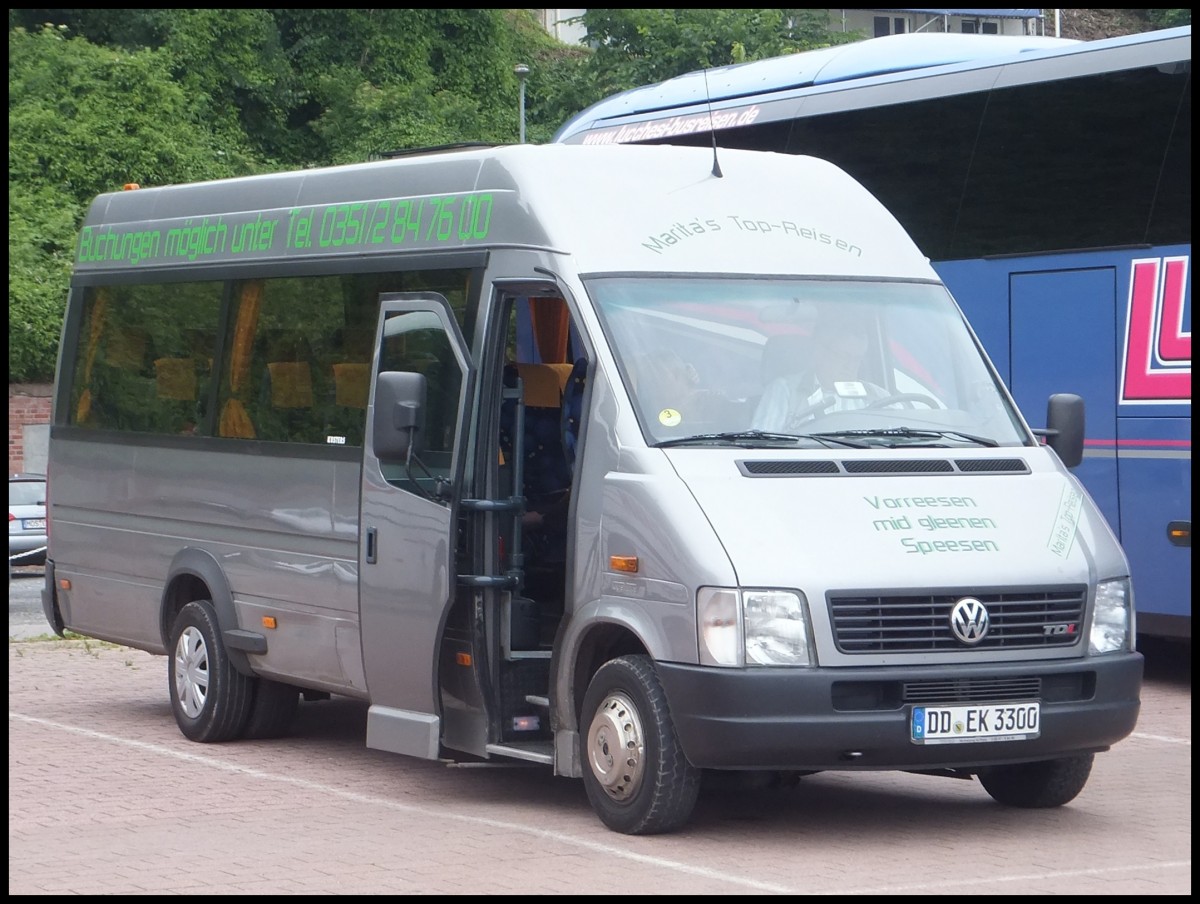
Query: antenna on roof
x,y
716,170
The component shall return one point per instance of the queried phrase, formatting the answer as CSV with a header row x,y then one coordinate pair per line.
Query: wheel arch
x,y
195,574
600,643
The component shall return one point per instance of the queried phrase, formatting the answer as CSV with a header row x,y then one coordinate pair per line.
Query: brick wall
x,y
28,405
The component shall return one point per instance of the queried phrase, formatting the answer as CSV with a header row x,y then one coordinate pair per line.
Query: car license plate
x,y
963,724
33,523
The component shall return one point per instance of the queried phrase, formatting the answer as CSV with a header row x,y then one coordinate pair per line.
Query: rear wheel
x,y
637,778
272,711
211,699
1050,783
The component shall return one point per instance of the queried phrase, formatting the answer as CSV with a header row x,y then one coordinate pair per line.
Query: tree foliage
x,y
1169,18
642,46
82,119
102,97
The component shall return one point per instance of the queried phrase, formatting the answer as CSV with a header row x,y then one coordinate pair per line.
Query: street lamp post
x,y
521,70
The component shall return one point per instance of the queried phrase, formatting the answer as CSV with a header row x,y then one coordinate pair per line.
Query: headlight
x,y
1112,621
718,621
752,627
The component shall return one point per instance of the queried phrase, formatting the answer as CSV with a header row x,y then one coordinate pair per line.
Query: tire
x,y
653,788
211,699
272,711
1050,783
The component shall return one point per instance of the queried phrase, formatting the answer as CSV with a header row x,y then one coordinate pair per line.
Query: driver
x,y
831,381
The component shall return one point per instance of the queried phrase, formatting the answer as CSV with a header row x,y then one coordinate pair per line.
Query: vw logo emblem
x,y
969,620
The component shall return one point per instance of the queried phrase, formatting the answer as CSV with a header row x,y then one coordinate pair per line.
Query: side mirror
x,y
399,412
1064,427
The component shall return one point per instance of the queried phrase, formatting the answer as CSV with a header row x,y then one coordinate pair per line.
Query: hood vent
x,y
788,468
898,466
887,466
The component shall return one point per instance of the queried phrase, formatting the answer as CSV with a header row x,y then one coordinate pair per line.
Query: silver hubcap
x,y
616,747
191,672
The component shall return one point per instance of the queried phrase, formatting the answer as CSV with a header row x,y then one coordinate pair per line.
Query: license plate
x,y
34,523
964,724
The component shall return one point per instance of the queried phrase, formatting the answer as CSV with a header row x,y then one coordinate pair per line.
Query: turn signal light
x,y
627,564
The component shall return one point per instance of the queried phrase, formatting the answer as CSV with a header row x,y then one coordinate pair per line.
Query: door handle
x,y
372,538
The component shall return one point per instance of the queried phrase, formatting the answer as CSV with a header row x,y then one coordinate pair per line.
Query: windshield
x,y
802,362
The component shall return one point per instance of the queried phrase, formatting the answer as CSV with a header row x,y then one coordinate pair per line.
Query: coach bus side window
x,y
299,350
145,358
279,385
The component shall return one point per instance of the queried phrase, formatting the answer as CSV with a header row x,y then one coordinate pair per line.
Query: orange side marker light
x,y
627,564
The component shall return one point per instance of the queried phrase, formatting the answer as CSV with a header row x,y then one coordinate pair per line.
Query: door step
x,y
533,751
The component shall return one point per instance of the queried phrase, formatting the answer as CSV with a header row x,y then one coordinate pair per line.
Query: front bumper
x,y
777,718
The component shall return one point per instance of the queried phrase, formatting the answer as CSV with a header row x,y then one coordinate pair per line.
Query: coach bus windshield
x,y
846,363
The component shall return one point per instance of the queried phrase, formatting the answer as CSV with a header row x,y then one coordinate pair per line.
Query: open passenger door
x,y
413,460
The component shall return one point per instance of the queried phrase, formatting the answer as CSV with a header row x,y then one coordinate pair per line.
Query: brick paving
x,y
107,797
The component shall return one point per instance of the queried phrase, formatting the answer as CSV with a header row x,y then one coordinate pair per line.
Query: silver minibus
x,y
640,463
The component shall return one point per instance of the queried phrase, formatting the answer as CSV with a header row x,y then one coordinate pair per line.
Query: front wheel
x,y
637,778
1050,783
211,699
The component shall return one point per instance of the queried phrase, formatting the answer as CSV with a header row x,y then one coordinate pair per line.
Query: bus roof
x,y
611,208
893,57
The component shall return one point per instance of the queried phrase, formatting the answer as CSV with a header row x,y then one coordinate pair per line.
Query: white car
x,y
26,519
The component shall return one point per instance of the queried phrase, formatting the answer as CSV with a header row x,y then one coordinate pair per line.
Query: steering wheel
x,y
903,397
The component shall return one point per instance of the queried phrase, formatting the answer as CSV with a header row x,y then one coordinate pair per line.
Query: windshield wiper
x,y
907,433
747,437
734,437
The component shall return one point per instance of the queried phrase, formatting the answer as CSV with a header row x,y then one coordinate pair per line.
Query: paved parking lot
x,y
107,797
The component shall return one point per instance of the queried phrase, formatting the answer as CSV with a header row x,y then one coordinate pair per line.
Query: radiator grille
x,y
920,623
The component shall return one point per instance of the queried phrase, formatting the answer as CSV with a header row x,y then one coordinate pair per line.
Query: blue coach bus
x,y
1049,182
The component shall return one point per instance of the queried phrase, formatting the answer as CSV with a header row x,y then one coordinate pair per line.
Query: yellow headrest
x,y
543,384
176,378
291,384
352,384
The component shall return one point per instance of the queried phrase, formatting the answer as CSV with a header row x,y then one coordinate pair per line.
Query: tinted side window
x,y
145,356
1171,216
300,349
914,158
291,363
1075,163
416,342
278,385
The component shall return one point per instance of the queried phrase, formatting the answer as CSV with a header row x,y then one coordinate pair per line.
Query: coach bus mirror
x,y
399,405
1064,427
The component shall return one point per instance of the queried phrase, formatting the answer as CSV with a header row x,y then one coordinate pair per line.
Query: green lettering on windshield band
x,y
378,225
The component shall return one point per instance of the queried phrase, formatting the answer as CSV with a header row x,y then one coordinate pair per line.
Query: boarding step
x,y
511,655
533,751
